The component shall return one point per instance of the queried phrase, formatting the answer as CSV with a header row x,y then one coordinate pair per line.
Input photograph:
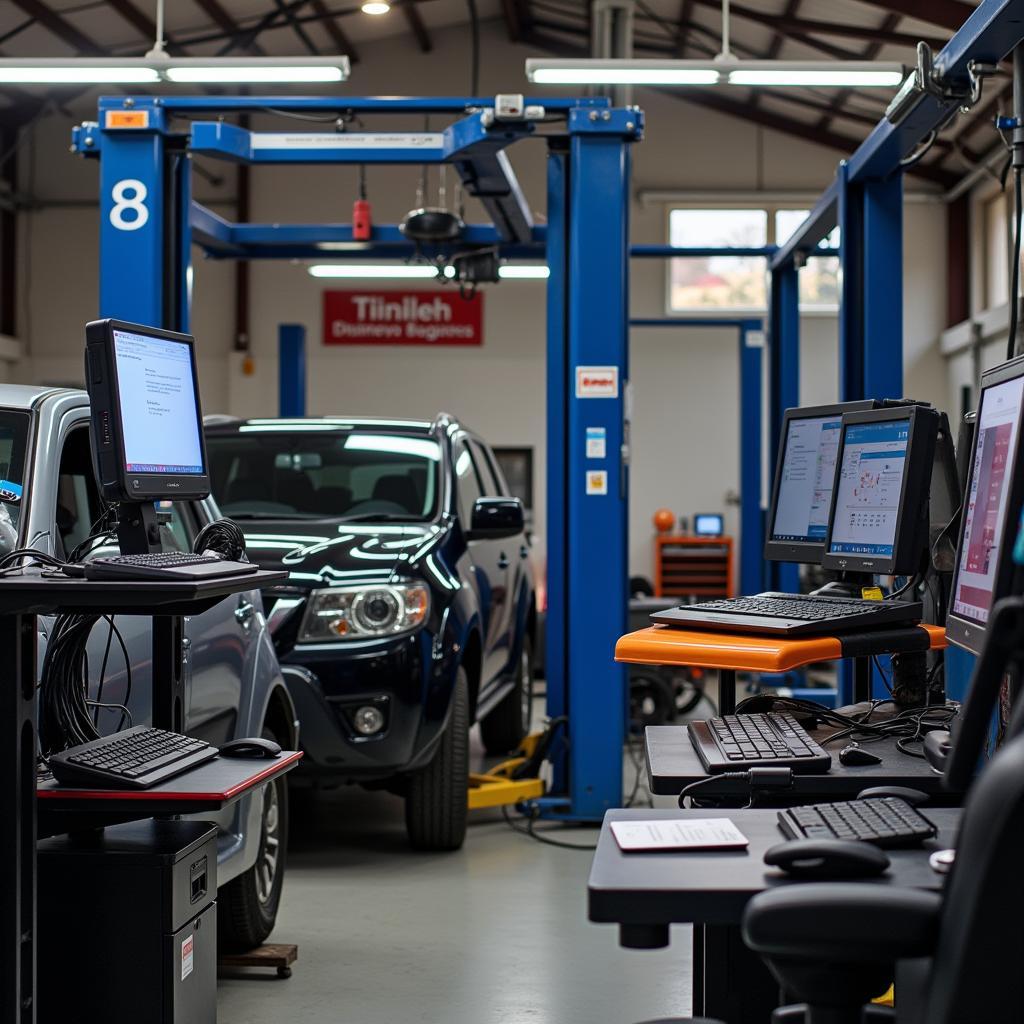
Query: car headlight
x,y
364,612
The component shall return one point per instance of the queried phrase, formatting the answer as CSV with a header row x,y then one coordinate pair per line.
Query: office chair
x,y
958,957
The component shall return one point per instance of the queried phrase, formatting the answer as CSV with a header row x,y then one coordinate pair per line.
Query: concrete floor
x,y
494,934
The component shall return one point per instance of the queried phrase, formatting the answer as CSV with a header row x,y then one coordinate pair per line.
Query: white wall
x,y
686,414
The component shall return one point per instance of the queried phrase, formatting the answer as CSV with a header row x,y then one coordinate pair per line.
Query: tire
x,y
248,905
651,702
504,728
435,805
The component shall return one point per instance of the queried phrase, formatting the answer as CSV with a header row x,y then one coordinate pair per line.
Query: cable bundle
x,y
223,537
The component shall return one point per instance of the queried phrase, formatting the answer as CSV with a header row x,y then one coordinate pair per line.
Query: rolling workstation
x,y
348,679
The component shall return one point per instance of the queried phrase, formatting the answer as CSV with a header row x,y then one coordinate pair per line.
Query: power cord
x,y
539,834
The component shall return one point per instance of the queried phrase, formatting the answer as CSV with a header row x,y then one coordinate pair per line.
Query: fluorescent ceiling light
x,y
376,270
158,67
819,73
83,72
621,72
724,69
375,7
256,71
524,272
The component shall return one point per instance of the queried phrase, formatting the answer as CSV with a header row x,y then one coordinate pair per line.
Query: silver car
x,y
49,500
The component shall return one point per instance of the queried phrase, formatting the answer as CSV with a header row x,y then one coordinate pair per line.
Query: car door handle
x,y
244,612
503,562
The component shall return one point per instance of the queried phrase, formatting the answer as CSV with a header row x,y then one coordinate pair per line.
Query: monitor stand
x,y
849,584
138,528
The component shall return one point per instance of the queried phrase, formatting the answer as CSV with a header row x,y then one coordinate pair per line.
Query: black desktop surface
x,y
714,887
40,592
672,763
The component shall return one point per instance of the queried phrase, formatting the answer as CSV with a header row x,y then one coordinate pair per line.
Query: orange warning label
x,y
127,119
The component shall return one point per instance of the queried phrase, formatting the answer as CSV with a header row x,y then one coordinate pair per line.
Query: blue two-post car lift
x,y
148,224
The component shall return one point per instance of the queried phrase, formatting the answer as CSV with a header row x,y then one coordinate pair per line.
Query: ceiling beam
x,y
60,27
949,14
778,39
332,25
685,17
419,29
220,17
863,32
288,13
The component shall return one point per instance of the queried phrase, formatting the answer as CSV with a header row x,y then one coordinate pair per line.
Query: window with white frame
x,y
739,283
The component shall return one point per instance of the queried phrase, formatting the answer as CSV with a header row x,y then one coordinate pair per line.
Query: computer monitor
x,y
147,423
802,491
708,524
983,569
879,517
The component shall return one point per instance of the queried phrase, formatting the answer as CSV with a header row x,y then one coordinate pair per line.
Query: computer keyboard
x,y
165,565
136,758
791,614
883,821
734,743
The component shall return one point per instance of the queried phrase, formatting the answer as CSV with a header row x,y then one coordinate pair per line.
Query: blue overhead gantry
x,y
149,221
865,200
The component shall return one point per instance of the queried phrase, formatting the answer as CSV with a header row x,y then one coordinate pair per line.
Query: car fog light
x,y
368,720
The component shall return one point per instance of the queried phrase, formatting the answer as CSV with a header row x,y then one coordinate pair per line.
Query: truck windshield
x,y
13,441
261,473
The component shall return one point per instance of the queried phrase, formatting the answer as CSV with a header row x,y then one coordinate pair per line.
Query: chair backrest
x,y
977,976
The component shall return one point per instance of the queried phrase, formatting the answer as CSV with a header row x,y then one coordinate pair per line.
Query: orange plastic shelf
x,y
665,645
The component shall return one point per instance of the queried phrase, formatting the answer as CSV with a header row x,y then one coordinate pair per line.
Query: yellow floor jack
x,y
517,779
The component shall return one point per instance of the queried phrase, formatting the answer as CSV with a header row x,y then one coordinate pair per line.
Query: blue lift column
x,y
588,439
291,370
783,389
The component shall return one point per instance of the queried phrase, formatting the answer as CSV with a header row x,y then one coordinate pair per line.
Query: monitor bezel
x,y
103,385
966,633
801,551
922,428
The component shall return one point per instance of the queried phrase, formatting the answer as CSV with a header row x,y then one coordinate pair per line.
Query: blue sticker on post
x,y
10,492
1018,548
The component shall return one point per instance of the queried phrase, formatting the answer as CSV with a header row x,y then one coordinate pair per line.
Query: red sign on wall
x,y
402,318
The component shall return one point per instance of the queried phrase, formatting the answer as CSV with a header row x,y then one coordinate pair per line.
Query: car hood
x,y
329,553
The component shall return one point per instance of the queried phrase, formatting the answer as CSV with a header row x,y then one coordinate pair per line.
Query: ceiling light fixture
x,y
375,7
720,71
158,66
524,272
724,69
395,271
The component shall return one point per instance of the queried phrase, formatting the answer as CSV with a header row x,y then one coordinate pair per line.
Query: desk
x,y
22,598
673,763
643,893
745,652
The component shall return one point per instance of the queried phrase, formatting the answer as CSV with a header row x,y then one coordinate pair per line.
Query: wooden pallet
x,y
275,956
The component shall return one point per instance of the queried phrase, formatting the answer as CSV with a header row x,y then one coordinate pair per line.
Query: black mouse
x,y
827,858
251,746
854,754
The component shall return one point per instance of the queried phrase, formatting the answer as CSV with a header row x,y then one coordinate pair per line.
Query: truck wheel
x,y
248,904
504,728
435,805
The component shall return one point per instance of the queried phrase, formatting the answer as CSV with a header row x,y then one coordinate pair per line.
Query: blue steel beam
x,y
339,104
821,220
222,239
474,148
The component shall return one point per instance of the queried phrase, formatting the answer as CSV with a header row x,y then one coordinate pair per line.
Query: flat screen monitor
x,y
879,518
983,569
802,491
708,524
147,422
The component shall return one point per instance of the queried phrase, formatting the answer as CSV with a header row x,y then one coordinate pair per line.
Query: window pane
x,y
819,279
718,282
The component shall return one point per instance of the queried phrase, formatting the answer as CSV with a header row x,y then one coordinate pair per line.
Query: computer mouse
x,y
251,746
827,858
854,754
